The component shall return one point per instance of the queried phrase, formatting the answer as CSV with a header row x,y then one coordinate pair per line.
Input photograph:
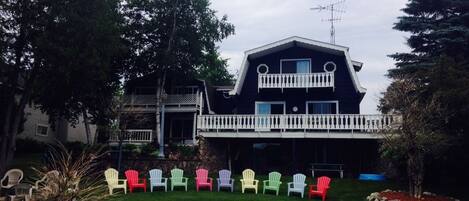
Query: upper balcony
x,y
296,80
178,102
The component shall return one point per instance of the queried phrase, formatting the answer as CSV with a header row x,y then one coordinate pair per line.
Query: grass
x,y
341,190
25,162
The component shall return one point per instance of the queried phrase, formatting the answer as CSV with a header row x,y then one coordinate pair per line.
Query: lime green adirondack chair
x,y
248,180
177,178
113,181
273,183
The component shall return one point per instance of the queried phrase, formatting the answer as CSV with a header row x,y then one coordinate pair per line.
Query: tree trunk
x,y
12,121
5,132
415,171
87,127
119,133
159,99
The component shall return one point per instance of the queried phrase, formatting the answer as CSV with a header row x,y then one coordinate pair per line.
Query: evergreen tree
x,y
434,101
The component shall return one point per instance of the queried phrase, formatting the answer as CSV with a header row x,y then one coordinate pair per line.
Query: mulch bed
x,y
402,196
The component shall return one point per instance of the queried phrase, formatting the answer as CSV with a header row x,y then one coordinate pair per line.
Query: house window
x,y
42,129
265,108
322,107
295,65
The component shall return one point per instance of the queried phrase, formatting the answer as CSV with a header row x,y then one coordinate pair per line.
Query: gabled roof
x,y
353,66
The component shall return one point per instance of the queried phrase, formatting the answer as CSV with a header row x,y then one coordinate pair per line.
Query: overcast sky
x,y
366,28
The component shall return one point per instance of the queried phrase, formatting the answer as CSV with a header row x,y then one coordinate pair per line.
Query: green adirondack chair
x,y
273,183
177,178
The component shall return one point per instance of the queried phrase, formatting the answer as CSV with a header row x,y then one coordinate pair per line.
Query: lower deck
x,y
297,155
292,134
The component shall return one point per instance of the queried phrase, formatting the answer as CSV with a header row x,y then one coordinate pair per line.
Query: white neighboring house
x,y
38,127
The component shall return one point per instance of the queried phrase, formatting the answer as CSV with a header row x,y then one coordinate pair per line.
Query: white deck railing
x,y
133,136
362,122
291,80
170,99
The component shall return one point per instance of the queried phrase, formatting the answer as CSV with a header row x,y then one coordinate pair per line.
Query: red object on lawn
x,y
133,181
320,189
202,179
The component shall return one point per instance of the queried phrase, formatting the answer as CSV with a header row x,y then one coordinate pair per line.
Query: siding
x,y
349,99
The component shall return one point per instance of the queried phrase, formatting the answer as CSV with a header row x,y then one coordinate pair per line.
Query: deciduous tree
x,y
170,36
57,55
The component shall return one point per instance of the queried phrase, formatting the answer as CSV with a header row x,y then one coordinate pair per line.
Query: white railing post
x,y
304,80
320,122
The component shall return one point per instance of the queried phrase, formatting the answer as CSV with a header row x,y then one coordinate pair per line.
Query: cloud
x,y
365,27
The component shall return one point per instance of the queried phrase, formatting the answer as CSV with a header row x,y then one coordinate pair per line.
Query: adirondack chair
x,y
134,182
13,177
298,185
202,179
248,181
113,181
157,179
273,183
224,180
177,178
46,178
320,189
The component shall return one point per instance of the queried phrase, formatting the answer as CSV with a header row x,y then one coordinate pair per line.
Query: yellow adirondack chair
x,y
113,181
248,181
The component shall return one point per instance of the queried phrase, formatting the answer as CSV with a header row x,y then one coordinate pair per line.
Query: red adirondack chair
x,y
202,179
320,189
133,180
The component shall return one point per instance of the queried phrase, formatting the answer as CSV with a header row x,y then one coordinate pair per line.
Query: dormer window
x,y
295,66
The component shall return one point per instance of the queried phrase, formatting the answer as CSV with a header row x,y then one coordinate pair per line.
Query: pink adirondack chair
x,y
133,181
320,189
202,179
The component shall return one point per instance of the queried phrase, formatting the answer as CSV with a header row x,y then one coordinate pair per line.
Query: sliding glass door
x,y
263,112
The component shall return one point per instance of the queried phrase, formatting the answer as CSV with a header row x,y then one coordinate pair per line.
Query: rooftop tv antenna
x,y
332,7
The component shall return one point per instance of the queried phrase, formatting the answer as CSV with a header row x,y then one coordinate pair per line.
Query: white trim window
x,y
322,107
42,129
297,66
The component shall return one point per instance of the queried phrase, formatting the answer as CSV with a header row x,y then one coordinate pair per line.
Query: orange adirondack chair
x,y
320,189
133,181
202,179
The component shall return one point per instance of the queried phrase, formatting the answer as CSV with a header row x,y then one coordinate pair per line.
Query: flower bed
x,y
389,195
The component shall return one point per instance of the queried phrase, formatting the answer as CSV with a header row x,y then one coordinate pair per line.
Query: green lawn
x,y
25,162
341,190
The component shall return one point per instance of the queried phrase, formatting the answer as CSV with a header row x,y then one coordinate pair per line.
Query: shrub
x,y
148,150
183,151
78,179
75,146
29,145
130,148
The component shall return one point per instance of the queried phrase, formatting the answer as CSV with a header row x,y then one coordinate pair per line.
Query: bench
x,y
327,167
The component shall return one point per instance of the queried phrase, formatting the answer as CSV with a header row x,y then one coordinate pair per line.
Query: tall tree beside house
x,y
58,55
214,70
81,52
170,36
430,82
419,134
